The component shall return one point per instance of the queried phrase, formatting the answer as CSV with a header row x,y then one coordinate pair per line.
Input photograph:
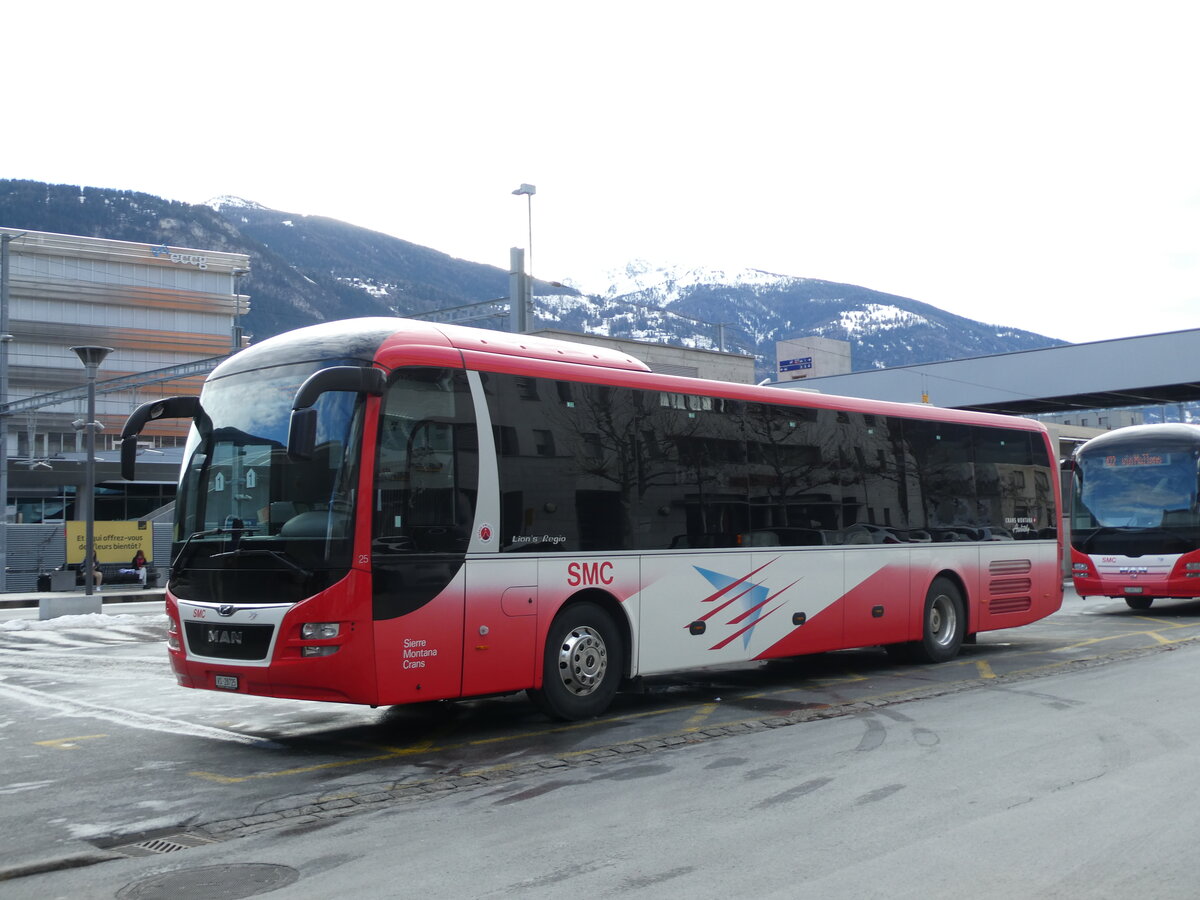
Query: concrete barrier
x,y
68,605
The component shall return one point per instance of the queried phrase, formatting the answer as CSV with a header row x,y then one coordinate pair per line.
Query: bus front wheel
x,y
582,664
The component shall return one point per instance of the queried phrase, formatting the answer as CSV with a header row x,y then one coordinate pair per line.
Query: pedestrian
x,y
138,567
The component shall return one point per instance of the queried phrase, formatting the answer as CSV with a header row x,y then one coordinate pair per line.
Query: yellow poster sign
x,y
115,542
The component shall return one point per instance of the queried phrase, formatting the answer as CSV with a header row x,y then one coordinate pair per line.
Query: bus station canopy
x,y
1149,370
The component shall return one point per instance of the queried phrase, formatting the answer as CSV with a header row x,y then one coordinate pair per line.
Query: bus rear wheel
x,y
943,626
1139,602
582,663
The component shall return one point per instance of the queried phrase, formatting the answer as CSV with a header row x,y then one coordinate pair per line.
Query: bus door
x,y
500,626
423,512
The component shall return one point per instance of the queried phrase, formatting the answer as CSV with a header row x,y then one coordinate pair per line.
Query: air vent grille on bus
x,y
1010,586
1010,566
1010,605
1008,591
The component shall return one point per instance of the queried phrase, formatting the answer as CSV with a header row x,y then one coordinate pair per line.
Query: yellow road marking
x,y
985,669
69,743
1127,634
1166,622
696,720
397,751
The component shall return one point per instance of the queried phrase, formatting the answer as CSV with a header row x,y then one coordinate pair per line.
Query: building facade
x,y
811,357
669,359
168,314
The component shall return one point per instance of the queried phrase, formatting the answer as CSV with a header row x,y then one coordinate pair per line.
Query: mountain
x,y
303,269
307,269
760,308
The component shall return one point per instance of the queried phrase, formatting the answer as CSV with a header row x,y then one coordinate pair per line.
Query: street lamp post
x,y
236,342
528,190
520,293
5,337
91,357
521,278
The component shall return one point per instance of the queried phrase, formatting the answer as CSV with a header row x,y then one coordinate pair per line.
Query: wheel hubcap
x,y
582,660
943,620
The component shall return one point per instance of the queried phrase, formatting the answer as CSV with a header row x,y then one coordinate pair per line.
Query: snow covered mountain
x,y
306,269
670,303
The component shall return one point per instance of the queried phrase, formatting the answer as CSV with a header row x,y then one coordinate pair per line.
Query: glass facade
x,y
158,307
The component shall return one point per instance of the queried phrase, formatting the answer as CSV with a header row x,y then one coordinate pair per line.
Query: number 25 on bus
x,y
384,511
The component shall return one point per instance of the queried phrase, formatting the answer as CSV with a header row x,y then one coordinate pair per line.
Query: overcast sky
x,y
1032,164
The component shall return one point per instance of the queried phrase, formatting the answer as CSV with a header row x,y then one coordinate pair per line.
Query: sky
x,y
1027,164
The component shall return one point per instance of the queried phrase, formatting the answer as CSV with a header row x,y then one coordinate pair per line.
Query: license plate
x,y
226,682
1133,590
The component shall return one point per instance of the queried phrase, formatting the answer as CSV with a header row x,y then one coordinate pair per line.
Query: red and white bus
x,y
384,511
1135,519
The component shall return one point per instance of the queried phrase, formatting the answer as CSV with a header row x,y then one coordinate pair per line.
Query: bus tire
x,y
1139,602
582,664
943,626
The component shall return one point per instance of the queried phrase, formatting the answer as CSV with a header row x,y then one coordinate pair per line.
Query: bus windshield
x,y
251,524
1147,489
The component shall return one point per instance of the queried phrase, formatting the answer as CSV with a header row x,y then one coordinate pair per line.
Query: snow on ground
x,y
89,622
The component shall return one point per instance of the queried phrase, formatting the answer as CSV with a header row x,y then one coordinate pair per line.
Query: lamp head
x,y
92,356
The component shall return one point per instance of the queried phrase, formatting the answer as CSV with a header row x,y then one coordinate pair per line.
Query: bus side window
x,y
427,464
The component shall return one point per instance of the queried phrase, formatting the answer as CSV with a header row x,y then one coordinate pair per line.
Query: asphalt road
x,y
105,757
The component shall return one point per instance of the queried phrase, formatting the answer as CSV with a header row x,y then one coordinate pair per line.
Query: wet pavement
x,y
108,721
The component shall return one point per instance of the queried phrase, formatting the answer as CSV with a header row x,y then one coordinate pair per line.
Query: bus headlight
x,y
319,631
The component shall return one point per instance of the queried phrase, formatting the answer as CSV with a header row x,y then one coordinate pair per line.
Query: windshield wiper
x,y
237,533
182,550
276,555
1102,530
1170,540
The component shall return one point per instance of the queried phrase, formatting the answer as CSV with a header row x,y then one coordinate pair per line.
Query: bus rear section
x,y
1135,519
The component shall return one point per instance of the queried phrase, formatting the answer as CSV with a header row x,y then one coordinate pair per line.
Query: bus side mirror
x,y
302,434
302,427
129,448
167,408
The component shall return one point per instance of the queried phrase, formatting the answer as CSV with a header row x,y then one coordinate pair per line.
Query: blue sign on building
x,y
793,365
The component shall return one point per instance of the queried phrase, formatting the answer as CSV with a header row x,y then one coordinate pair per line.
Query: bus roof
x,y
527,346
363,339
1158,435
